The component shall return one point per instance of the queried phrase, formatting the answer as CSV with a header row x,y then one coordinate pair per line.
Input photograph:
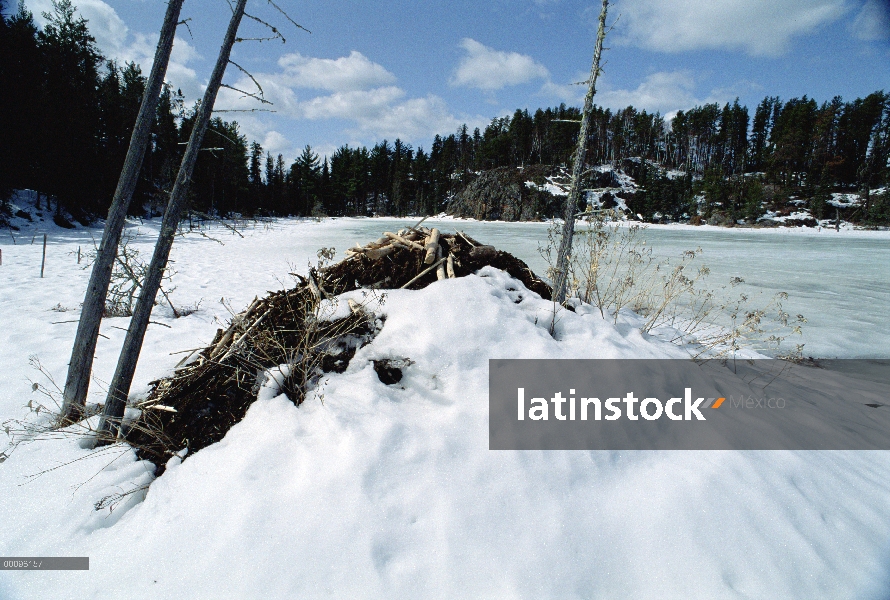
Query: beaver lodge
x,y
290,339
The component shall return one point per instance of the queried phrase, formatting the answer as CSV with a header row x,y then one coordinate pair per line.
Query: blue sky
x,y
411,69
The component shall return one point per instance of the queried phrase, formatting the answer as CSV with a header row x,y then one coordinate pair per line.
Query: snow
x,y
594,199
844,200
848,200
390,491
547,186
625,181
792,216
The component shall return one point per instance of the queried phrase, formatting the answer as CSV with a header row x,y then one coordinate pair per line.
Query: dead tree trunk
x,y
126,365
81,364
568,228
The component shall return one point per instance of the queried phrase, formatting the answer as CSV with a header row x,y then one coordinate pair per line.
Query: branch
x,y
257,39
228,110
220,221
248,94
233,142
262,96
286,16
273,29
186,23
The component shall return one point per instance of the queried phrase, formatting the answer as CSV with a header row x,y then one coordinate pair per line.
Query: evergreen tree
x,y
70,110
21,81
304,177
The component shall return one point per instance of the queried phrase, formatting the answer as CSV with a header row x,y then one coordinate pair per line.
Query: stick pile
x,y
212,388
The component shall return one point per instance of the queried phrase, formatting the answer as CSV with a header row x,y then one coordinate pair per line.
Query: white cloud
x,y
103,22
872,23
488,69
277,143
568,93
414,119
347,73
362,95
758,27
117,42
356,105
383,113
142,50
662,91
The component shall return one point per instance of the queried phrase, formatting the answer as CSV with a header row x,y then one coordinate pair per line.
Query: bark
x,y
81,364
126,366
568,228
432,242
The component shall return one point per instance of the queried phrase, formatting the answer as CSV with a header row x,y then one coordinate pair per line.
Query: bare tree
x,y
571,206
81,364
126,365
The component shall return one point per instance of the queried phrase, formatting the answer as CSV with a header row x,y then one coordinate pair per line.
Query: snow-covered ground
x,y
391,491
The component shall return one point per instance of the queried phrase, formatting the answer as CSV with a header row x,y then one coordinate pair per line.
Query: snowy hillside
x,y
390,491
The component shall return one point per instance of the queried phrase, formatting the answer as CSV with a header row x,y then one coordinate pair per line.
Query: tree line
x,y
67,112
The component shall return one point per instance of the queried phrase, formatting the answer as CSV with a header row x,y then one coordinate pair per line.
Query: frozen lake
x,y
839,281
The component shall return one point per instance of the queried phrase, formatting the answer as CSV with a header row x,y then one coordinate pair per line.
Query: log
x,y
432,242
449,266
401,239
483,252
378,253
440,270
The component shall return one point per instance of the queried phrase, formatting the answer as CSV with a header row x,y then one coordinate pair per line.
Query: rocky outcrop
x,y
502,195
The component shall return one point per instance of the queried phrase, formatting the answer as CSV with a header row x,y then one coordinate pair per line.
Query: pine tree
x,y
70,104
21,109
305,173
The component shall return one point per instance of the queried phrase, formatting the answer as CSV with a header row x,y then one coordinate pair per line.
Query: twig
x,y
273,29
184,351
244,336
262,95
220,221
225,137
464,237
416,225
228,110
286,16
186,23
424,272
43,261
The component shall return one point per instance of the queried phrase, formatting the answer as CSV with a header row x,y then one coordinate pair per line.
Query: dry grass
x,y
613,268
